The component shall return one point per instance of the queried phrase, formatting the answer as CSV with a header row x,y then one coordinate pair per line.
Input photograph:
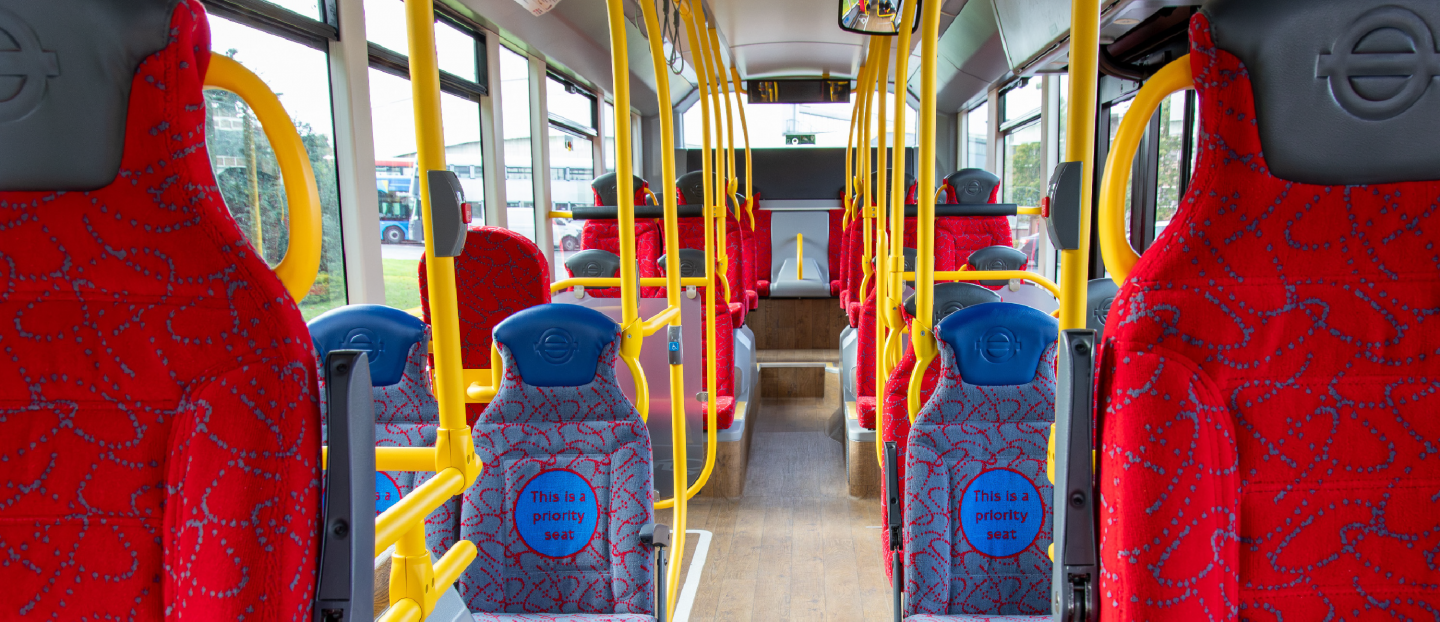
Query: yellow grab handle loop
x,y
1120,257
800,256
302,257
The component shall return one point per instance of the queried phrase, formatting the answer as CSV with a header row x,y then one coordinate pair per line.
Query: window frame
x,y
282,22
398,65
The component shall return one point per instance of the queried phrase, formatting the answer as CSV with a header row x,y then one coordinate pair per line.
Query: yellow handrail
x,y
888,311
1120,256
453,459
1080,147
697,57
745,131
866,190
302,196
560,214
596,281
661,320
881,218
993,275
922,337
800,256
673,282
725,156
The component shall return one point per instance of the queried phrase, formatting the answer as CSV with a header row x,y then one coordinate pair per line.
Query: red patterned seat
x,y
500,274
159,427
834,248
1268,381
763,243
604,233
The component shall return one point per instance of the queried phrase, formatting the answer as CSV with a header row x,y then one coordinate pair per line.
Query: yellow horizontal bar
x,y
395,459
694,281
476,393
414,507
403,611
452,563
559,214
654,324
995,275
1027,211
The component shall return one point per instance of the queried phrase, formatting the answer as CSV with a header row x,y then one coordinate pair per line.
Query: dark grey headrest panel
x,y
910,255
1345,90
608,187
692,263
996,259
692,187
889,179
952,297
974,186
1099,295
594,263
65,87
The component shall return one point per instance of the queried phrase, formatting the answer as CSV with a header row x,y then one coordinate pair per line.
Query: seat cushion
x,y
499,274
649,244
1285,379
159,427
588,452
978,504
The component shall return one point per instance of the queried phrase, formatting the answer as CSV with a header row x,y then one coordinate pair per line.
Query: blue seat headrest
x,y
385,334
998,343
557,345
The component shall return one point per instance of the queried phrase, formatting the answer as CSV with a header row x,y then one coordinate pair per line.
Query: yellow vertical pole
x,y
745,130
897,194
867,160
439,271
850,146
633,337
724,165
672,295
922,335
1080,147
882,250
711,417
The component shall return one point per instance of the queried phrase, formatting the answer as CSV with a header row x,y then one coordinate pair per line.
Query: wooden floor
x,y
795,546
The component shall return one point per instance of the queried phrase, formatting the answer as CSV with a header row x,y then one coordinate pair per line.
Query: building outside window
x,y
392,116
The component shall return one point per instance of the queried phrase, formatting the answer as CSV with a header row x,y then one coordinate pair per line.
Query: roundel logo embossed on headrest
x,y
950,307
590,269
1363,75
366,341
688,269
29,62
1102,310
972,189
998,345
556,346
996,265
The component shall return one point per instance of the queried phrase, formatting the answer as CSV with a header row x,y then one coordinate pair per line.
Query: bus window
x,y
245,166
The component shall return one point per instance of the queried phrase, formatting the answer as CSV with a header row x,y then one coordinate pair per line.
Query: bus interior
x,y
703,310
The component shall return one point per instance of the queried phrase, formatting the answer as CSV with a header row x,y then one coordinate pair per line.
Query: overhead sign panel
x,y
1029,27
798,91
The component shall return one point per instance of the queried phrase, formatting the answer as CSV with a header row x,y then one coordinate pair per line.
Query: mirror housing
x,y
873,17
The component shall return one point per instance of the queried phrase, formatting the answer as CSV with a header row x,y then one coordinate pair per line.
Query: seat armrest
x,y
895,524
344,586
657,537
1077,547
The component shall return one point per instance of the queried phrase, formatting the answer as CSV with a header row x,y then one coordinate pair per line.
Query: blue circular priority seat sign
x,y
1001,512
556,513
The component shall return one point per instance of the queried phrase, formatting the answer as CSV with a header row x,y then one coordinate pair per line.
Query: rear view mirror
x,y
872,17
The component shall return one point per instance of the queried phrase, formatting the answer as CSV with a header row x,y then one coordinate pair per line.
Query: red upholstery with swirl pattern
x,y
159,429
649,246
500,273
1268,389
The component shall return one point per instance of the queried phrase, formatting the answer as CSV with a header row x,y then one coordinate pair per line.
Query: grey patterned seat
x,y
406,413
561,514
977,514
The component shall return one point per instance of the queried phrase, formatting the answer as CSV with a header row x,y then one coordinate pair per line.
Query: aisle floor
x,y
795,546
